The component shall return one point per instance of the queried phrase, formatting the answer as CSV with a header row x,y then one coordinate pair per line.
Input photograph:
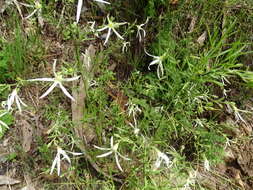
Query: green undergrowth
x,y
176,107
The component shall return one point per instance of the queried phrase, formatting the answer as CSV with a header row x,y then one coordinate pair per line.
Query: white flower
x,y
125,46
58,159
13,97
2,123
136,129
162,158
112,150
140,31
111,27
57,82
92,83
133,109
231,108
80,5
157,60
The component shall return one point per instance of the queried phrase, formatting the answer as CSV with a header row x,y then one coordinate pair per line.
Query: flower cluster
x,y
58,80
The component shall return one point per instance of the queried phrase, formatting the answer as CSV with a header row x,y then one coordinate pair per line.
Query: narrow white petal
x,y
4,124
8,104
155,57
111,141
117,162
78,11
31,14
13,94
102,1
139,35
71,79
18,7
65,156
153,63
117,34
157,163
26,5
2,114
165,158
148,53
108,18
54,67
144,32
102,29
108,35
160,71
49,90
53,165
121,23
10,101
105,154
58,162
125,158
75,153
19,99
100,148
18,104
42,79
66,92
207,165
146,21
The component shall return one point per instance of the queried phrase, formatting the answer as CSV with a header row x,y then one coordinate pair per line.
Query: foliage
x,y
177,113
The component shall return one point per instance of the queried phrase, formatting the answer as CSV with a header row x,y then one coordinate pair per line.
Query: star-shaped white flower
x,y
2,123
111,27
13,97
136,129
133,110
57,82
112,150
157,61
162,158
80,5
141,33
58,159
